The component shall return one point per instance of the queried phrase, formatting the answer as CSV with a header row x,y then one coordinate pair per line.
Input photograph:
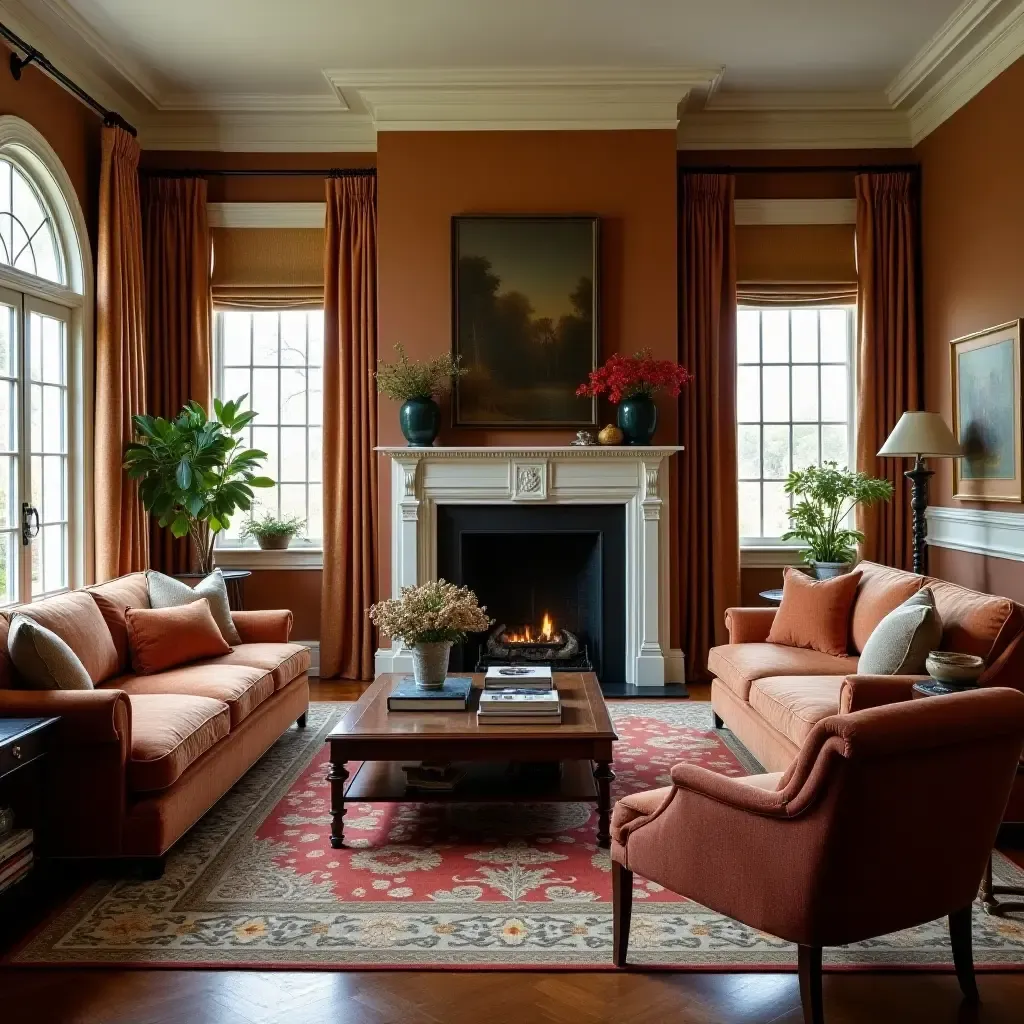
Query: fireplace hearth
x,y
558,649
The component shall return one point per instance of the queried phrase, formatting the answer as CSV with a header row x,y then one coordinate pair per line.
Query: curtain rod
x,y
191,172
802,169
33,56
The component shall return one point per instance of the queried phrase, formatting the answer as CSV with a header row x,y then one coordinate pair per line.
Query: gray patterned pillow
x,y
42,659
167,592
900,643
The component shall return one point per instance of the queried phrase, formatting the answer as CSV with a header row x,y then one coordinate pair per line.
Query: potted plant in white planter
x,y
429,619
272,532
828,495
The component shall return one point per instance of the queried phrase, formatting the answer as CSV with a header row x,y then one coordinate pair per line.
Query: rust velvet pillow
x,y
815,613
161,638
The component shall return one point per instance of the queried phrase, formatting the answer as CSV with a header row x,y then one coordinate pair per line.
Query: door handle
x,y
29,523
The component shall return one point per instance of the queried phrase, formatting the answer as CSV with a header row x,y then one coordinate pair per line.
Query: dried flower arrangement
x,y
640,374
408,378
434,612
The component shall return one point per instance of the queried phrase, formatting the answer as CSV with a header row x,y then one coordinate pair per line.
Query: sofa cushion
x,y
170,732
738,665
240,687
972,622
881,589
43,660
793,705
167,592
75,618
162,638
285,661
112,598
815,613
903,639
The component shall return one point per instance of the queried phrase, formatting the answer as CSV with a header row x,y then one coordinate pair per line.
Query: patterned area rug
x,y
256,883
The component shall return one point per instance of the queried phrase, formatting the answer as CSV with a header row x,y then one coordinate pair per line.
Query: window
x,y
28,240
794,406
276,358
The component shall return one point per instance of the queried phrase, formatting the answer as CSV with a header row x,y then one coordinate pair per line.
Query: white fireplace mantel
x,y
633,476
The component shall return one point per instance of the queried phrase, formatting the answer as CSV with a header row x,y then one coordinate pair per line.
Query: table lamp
x,y
920,434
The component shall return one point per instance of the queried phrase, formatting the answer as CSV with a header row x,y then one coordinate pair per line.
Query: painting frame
x,y
1002,487
461,418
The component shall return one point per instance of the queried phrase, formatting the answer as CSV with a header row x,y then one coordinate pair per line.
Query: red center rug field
x,y
257,884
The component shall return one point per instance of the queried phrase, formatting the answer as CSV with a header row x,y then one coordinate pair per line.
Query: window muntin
x,y
276,358
794,405
28,238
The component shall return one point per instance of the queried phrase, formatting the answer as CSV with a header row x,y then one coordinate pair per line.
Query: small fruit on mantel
x,y
610,435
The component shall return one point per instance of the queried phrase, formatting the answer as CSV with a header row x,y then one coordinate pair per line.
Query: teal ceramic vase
x,y
638,419
420,420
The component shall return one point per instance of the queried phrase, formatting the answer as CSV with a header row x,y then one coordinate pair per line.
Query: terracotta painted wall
x,y
973,223
424,178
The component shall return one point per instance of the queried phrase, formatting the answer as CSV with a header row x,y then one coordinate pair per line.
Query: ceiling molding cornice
x,y
516,99
980,41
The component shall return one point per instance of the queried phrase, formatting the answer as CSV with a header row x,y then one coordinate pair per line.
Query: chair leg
x,y
622,911
809,960
301,720
963,954
718,723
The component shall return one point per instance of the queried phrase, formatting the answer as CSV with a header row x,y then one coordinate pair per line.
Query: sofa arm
x,y
749,625
87,717
264,627
729,791
860,692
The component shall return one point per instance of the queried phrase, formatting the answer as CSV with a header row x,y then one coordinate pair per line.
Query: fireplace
x,y
552,578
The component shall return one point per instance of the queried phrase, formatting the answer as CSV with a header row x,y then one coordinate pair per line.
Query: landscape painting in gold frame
x,y
985,374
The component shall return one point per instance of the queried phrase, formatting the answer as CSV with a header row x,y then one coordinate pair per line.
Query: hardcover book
x,y
452,696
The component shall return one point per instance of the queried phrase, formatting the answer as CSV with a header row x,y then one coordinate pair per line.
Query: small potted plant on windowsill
x,y
271,532
417,385
829,494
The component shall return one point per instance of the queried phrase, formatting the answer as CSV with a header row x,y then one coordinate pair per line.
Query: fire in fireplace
x,y
559,648
547,635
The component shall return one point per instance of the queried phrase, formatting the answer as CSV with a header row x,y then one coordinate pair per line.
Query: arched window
x,y
45,316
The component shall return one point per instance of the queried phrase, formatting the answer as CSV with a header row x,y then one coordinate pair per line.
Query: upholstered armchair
x,y
885,821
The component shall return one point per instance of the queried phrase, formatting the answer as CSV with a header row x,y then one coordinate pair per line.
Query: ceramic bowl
x,y
950,667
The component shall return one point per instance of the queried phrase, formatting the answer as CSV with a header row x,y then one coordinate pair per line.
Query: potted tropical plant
x,y
194,473
417,385
828,495
631,382
429,619
272,532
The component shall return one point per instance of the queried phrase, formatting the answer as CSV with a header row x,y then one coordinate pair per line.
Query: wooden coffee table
x,y
384,741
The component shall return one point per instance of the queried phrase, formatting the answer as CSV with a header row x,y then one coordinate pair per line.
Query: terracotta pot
x,y
274,541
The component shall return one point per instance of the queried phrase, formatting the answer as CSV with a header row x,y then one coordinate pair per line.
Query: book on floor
x,y
8,883
16,865
453,696
15,841
512,701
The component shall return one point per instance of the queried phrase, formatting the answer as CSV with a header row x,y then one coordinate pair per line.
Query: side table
x,y
773,596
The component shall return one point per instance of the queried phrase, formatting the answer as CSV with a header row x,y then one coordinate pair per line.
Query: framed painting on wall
x,y
525,319
985,372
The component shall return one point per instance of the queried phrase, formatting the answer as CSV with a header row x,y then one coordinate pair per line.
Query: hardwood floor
x,y
486,997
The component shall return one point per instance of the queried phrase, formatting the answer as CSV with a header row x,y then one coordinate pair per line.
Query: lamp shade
x,y
921,433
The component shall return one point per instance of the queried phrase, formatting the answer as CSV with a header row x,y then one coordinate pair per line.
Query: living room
x,y
511,498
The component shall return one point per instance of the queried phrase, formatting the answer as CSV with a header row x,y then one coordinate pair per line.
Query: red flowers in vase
x,y
641,374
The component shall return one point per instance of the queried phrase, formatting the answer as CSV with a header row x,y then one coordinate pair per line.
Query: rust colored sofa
x,y
139,759
884,821
772,696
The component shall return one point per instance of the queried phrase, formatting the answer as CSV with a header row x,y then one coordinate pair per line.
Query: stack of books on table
x,y
453,696
15,857
500,677
519,699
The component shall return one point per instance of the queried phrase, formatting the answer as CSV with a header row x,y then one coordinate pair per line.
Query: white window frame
x,y
773,552
24,146
251,556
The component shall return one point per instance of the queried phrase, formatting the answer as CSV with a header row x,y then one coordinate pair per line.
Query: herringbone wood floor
x,y
392,997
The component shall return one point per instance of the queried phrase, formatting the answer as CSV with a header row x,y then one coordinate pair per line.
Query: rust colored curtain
x,y
709,556
177,241
122,528
889,350
350,428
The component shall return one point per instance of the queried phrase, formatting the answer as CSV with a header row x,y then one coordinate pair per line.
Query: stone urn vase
x,y
830,570
430,663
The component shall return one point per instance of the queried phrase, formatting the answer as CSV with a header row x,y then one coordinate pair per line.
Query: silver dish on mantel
x,y
584,439
954,668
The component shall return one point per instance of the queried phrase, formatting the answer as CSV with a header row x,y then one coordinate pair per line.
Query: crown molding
x,y
976,44
267,215
519,99
234,102
795,211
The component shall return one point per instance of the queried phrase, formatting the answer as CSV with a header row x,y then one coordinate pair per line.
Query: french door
x,y
35,555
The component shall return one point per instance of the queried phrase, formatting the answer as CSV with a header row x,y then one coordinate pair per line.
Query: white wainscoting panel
x,y
977,530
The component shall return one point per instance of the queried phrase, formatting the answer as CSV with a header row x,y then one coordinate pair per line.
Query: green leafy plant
x,y
407,378
195,472
828,496
269,525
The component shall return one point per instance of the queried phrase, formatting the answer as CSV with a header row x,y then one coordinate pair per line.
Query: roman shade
x,y
268,268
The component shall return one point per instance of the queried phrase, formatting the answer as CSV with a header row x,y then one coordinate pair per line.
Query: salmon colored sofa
x,y
140,759
772,696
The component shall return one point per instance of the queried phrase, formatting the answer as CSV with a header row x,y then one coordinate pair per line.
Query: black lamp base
x,y
918,477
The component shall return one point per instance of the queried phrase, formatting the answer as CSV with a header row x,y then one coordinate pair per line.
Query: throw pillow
x,y
44,661
899,644
815,613
167,592
161,638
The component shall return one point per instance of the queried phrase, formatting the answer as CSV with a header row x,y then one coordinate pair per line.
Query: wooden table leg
x,y
604,775
337,776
